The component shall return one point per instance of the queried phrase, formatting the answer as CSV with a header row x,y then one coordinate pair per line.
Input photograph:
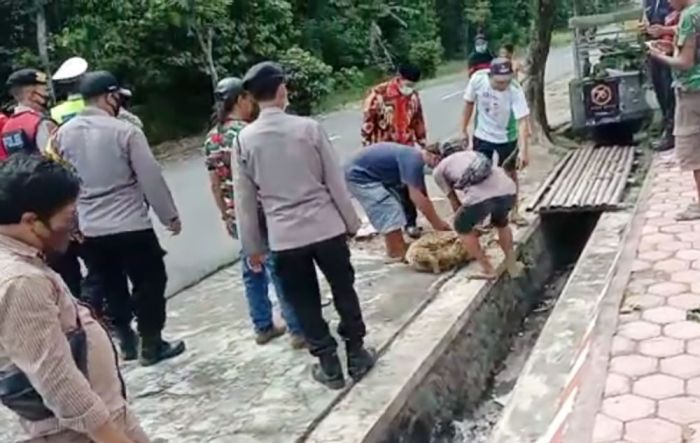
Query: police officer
x,y
29,128
309,215
67,81
114,216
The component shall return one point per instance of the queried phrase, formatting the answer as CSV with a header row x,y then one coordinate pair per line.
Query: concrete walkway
x,y
652,390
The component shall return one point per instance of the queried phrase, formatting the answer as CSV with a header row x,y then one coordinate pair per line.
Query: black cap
x,y
501,66
27,77
446,148
410,72
228,88
262,74
98,83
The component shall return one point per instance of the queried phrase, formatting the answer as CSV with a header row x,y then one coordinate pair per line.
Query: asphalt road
x,y
204,245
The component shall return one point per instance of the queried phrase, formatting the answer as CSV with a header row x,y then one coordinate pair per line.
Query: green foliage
x,y
426,54
309,79
170,51
348,78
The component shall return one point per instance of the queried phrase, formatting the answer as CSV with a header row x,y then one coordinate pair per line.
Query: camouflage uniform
x,y
218,149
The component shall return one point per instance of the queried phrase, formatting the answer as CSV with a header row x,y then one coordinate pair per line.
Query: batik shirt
x,y
688,28
218,148
390,116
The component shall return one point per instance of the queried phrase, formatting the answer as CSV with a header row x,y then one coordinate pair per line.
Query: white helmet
x,y
71,69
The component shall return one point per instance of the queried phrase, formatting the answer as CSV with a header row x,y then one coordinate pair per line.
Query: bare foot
x,y
483,276
516,269
394,260
518,220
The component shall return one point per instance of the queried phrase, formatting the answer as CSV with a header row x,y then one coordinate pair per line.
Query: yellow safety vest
x,y
68,109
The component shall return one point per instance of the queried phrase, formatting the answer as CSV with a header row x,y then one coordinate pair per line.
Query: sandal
x,y
691,213
519,221
483,276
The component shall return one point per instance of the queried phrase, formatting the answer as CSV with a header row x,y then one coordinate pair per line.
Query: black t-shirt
x,y
480,58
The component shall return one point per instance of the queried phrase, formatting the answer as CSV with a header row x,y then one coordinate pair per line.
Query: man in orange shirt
x,y
393,113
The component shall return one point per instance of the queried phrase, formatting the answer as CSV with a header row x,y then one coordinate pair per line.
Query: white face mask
x,y
406,90
481,48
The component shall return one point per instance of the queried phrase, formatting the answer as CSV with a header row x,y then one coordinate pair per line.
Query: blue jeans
x,y
259,305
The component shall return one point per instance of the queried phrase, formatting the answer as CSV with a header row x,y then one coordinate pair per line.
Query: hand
x,y
654,51
467,141
78,237
256,262
230,224
175,227
655,30
524,160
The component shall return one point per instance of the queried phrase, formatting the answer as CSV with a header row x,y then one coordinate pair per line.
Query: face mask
x,y
406,90
481,48
115,104
43,100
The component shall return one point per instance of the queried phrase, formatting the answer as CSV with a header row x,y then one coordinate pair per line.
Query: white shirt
x,y
497,112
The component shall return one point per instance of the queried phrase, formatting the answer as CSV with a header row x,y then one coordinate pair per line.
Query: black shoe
x,y
328,372
154,350
665,143
415,232
360,362
128,343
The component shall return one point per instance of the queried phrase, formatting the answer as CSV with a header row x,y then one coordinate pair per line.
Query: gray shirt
x,y
118,174
451,169
290,164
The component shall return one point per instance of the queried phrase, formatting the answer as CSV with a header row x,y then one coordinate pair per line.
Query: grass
x,y
561,37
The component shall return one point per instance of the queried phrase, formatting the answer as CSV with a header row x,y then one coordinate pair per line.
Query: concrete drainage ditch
x,y
462,355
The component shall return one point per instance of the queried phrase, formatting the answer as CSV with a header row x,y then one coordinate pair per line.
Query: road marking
x,y
334,137
450,95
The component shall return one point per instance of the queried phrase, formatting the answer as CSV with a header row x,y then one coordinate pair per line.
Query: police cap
x,y
98,83
26,77
263,74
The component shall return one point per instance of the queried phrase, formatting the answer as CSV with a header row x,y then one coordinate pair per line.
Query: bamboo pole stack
x,y
591,178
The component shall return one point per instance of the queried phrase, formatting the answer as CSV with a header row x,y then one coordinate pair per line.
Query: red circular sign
x,y
601,95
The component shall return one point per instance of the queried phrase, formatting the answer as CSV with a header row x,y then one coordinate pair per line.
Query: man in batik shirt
x,y
393,113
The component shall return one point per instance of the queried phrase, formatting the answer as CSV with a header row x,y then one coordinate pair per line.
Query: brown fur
x,y
437,252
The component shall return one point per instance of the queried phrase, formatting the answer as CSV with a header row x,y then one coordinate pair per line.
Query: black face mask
x,y
44,100
116,106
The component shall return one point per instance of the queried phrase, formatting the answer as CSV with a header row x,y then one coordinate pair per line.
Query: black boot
x,y
328,371
128,343
154,349
360,361
666,142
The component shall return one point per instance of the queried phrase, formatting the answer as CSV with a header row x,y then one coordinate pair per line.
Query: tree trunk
x,y
42,39
538,52
207,46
